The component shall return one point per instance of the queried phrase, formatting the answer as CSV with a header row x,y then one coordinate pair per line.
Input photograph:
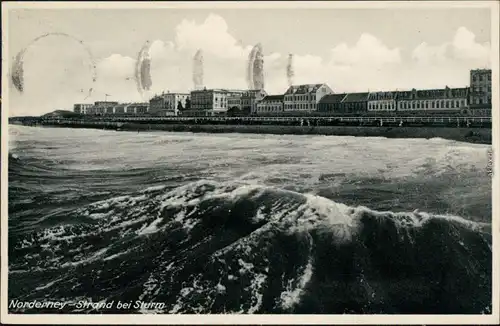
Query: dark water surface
x,y
238,223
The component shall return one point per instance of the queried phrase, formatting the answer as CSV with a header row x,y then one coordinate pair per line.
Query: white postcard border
x,y
253,319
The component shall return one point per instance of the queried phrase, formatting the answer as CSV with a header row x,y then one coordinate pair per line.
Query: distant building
x,y
120,108
270,104
305,98
234,101
445,99
354,103
250,98
113,108
382,101
103,107
480,92
167,104
105,103
82,108
137,108
331,103
209,102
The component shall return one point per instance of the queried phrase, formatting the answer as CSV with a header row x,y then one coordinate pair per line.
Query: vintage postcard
x,y
250,162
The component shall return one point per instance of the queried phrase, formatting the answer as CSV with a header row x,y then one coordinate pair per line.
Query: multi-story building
x,y
251,98
120,108
112,108
82,108
331,103
480,92
105,103
433,100
234,101
168,104
305,98
103,107
271,104
209,102
354,103
137,108
382,101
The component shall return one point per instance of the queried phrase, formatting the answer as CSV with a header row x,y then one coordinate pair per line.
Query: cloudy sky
x,y
350,49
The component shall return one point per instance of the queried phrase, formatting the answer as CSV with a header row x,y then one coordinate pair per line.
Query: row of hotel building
x,y
476,100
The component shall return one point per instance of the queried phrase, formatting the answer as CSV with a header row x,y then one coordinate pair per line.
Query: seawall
x,y
471,135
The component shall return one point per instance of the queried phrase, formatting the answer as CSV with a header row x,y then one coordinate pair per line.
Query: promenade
x,y
471,129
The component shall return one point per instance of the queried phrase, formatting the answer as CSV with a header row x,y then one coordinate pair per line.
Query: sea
x,y
183,223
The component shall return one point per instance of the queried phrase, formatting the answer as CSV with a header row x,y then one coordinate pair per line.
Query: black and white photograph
x,y
242,162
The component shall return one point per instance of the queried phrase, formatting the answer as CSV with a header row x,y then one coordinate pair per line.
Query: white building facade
x,y
382,101
209,102
446,99
83,108
168,104
305,98
270,104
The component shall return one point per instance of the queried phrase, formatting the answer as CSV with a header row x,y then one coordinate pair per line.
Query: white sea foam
x,y
292,295
114,256
94,257
151,228
295,288
43,287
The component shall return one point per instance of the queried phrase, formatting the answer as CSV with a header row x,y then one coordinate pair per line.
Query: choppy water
x,y
240,223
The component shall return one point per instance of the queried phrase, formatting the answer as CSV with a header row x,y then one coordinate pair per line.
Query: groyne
x,y
463,134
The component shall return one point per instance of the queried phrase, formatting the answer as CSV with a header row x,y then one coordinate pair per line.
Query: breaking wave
x,y
209,247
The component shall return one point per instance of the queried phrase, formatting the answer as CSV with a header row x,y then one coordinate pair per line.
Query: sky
x,y
349,49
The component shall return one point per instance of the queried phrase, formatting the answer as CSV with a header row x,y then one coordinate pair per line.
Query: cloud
x,y
160,49
463,48
116,66
368,50
212,36
428,54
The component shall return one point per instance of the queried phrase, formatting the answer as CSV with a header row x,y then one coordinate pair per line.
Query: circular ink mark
x,y
17,69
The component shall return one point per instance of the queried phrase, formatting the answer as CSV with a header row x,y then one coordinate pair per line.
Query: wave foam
x,y
272,249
